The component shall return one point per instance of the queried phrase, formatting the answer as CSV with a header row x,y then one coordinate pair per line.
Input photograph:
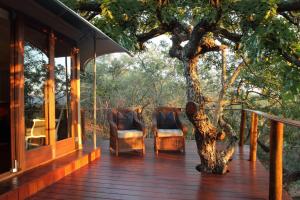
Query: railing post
x,y
276,146
253,136
242,127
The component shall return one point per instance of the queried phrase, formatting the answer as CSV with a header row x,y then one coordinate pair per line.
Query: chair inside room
x,y
127,132
36,135
168,130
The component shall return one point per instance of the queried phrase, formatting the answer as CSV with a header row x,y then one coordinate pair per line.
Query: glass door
x,y
5,131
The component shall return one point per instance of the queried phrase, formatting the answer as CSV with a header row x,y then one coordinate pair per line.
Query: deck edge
x,y
30,188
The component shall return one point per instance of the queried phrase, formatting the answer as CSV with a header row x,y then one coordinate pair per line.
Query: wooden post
x,y
95,95
75,97
253,136
17,119
50,96
242,127
276,170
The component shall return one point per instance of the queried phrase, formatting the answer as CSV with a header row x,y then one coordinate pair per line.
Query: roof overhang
x,y
65,21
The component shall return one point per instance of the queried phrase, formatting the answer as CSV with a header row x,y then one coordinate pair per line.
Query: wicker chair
x,y
169,132
127,133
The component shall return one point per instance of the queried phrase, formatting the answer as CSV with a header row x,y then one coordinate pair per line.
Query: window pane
x,y
5,136
35,74
62,97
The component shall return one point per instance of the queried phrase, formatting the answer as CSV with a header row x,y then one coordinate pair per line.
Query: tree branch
x,y
264,147
228,35
292,58
291,177
199,31
89,6
289,18
288,6
152,33
236,73
176,50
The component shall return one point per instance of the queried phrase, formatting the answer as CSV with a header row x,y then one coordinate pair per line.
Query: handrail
x,y
276,146
276,118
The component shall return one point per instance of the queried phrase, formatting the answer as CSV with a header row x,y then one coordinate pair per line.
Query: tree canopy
x,y
256,28
264,34
258,41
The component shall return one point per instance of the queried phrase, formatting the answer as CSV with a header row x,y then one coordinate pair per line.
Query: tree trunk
x,y
192,81
206,133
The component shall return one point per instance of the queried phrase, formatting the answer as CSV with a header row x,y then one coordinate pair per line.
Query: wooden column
x,y
17,119
50,95
276,170
253,136
75,97
242,127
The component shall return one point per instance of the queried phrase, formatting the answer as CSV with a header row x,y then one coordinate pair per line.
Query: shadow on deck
x,y
168,176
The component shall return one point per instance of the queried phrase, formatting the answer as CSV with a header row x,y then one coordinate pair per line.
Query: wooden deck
x,y
30,182
168,176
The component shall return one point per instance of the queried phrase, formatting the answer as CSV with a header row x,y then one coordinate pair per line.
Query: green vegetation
x,y
262,65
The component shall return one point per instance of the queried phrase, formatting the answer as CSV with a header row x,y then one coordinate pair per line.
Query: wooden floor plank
x,y
166,176
30,182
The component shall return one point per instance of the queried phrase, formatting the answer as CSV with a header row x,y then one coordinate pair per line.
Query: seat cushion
x,y
125,120
129,133
169,132
167,120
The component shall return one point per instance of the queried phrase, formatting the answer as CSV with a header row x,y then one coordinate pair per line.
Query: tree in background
x,y
145,81
251,31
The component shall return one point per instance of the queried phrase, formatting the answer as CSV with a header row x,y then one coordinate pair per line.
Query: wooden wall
x,y
13,76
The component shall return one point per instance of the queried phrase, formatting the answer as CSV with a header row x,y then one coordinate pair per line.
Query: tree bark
x,y
206,133
220,104
192,81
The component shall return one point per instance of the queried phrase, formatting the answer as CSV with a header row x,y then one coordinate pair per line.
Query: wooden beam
x,y
50,97
276,170
253,136
242,127
75,97
17,119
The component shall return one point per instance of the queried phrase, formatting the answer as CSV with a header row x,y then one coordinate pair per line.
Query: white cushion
x,y
169,132
129,133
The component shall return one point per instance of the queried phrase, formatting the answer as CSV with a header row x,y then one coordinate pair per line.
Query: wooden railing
x,y
276,146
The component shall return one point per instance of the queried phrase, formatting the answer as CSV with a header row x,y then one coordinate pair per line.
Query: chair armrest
x,y
113,128
140,125
184,129
182,126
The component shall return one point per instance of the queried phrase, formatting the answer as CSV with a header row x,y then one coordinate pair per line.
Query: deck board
x,y
30,182
167,176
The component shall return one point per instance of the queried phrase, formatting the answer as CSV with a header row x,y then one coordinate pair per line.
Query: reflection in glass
x,y
62,97
35,74
5,135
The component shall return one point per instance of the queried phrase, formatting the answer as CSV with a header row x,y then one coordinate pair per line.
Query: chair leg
x,y
183,146
117,148
144,147
155,146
